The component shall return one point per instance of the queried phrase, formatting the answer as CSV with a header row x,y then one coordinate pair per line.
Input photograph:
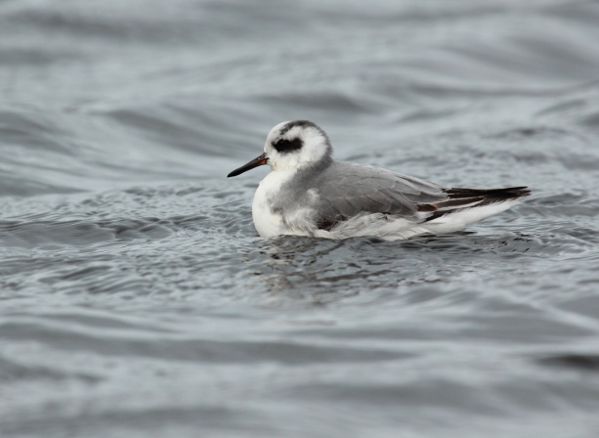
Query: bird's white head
x,y
292,145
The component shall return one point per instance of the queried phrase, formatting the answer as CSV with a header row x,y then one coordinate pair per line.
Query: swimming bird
x,y
308,193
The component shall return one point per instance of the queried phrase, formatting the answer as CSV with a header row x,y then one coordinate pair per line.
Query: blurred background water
x,y
136,299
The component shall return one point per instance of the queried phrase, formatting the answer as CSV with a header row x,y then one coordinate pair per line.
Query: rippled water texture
x,y
136,299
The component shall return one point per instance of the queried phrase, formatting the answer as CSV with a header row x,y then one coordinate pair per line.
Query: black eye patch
x,y
285,146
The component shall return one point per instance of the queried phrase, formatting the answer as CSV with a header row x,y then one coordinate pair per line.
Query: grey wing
x,y
346,190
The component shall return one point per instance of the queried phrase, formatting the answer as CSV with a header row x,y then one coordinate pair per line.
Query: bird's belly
x,y
266,222
285,218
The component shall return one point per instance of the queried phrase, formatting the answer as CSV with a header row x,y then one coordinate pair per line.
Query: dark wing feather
x,y
460,198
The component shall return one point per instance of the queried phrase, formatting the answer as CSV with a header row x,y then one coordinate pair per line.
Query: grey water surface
x,y
136,299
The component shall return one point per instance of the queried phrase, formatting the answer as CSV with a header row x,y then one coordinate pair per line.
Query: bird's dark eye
x,y
285,146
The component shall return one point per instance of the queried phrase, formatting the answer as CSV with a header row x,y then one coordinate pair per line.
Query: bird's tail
x,y
462,199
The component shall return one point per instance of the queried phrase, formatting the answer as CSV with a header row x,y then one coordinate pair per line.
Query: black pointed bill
x,y
258,161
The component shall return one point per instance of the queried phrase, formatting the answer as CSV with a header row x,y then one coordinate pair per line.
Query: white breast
x,y
267,223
